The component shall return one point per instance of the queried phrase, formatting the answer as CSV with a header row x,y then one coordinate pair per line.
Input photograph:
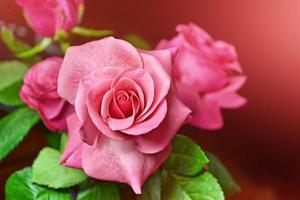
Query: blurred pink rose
x,y
40,93
207,75
48,16
127,107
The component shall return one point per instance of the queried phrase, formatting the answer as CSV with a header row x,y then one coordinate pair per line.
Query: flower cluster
x,y
121,106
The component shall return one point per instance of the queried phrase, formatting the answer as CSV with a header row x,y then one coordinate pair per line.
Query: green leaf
x,y
47,171
202,187
100,191
152,188
20,187
41,46
225,179
137,41
11,72
87,32
10,95
14,127
15,45
186,157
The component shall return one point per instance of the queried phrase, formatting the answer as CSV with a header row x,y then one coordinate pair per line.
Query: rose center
x,y
124,102
122,97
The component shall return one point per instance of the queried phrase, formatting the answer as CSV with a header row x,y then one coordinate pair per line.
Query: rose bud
x,y
40,93
46,17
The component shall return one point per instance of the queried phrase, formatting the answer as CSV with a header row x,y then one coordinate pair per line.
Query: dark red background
x,y
259,143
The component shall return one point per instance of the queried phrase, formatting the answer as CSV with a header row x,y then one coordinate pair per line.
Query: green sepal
x,y
137,41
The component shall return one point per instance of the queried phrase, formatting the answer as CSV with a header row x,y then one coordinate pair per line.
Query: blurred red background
x,y
260,143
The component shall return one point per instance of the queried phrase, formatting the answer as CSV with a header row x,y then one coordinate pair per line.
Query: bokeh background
x,y
260,143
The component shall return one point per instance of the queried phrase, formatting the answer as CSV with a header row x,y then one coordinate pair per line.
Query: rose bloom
x,y
40,93
126,110
207,75
46,17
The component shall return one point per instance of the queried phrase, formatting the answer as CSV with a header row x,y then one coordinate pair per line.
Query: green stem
x,y
91,32
36,49
64,46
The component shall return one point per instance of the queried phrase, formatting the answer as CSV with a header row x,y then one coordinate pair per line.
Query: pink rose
x,y
126,106
207,75
40,93
48,16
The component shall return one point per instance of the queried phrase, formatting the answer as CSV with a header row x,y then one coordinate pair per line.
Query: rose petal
x,y
115,110
194,35
165,57
83,90
81,61
227,100
59,122
227,97
128,83
162,84
89,132
152,122
101,85
196,71
51,107
175,42
226,54
92,107
188,95
143,84
120,124
26,96
72,153
44,74
87,105
66,15
106,101
159,138
208,116
236,82
121,162
78,2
